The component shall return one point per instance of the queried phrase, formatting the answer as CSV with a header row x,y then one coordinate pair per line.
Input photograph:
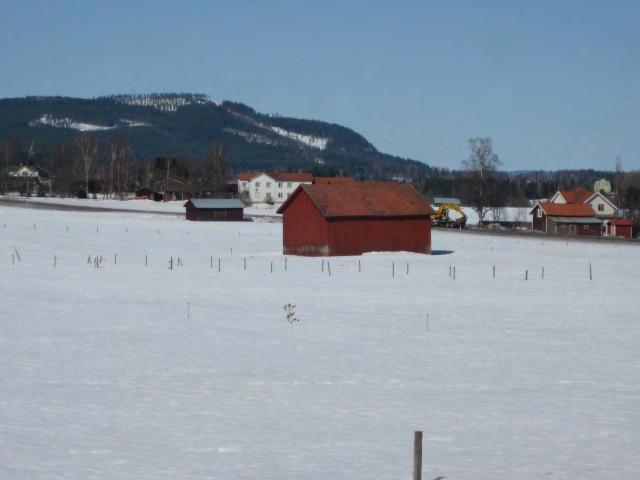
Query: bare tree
x,y
212,176
87,154
481,176
619,175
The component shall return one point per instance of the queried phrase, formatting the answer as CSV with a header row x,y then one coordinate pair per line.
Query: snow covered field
x,y
177,207
130,371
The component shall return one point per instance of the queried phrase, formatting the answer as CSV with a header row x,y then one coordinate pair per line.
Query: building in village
x,y
352,219
214,209
145,193
618,227
172,189
602,206
272,187
566,219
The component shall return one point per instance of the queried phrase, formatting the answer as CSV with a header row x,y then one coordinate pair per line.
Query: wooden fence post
x,y
417,455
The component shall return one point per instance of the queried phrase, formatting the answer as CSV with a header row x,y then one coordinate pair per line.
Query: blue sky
x,y
556,84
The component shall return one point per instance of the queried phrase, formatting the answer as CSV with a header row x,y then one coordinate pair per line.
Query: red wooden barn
x,y
351,219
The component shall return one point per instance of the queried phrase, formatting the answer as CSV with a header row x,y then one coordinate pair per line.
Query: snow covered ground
x,y
130,371
177,207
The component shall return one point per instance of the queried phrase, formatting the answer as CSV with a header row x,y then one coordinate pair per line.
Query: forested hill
x,y
185,125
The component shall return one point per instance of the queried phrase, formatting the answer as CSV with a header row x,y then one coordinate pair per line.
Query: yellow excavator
x,y
442,217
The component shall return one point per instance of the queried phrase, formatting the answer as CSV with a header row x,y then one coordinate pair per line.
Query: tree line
x,y
85,167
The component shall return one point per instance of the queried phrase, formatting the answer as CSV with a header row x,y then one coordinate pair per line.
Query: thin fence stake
x,y
146,260
393,269
417,456
285,264
55,261
407,268
454,272
542,273
211,261
171,263
271,266
494,271
115,258
329,267
590,271
245,263
526,274
323,265
359,268
219,264
449,270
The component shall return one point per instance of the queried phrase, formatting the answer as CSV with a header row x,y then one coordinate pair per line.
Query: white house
x,y
602,206
23,171
272,187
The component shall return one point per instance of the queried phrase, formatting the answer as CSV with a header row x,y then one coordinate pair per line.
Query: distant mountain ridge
x,y
185,124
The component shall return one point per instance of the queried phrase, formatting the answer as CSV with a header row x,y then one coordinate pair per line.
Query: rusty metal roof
x,y
364,199
567,209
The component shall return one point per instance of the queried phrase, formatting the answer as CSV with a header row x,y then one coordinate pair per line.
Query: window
x,y
257,185
279,184
563,226
586,227
539,213
268,184
289,184
601,207
244,184
279,194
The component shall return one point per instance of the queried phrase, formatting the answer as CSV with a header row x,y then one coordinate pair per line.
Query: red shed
x,y
619,228
351,219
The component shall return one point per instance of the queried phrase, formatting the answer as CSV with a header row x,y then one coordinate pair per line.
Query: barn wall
x,y
560,228
213,214
539,223
354,237
305,231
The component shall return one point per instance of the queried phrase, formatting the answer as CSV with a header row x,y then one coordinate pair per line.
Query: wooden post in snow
x,y
417,455
329,267
146,260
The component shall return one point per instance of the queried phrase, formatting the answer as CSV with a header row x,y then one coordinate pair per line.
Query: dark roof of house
x,y
567,209
291,176
364,199
215,203
333,180
170,185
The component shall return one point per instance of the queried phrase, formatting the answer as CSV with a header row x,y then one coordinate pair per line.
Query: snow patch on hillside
x,y
164,103
51,121
311,141
308,140
251,137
